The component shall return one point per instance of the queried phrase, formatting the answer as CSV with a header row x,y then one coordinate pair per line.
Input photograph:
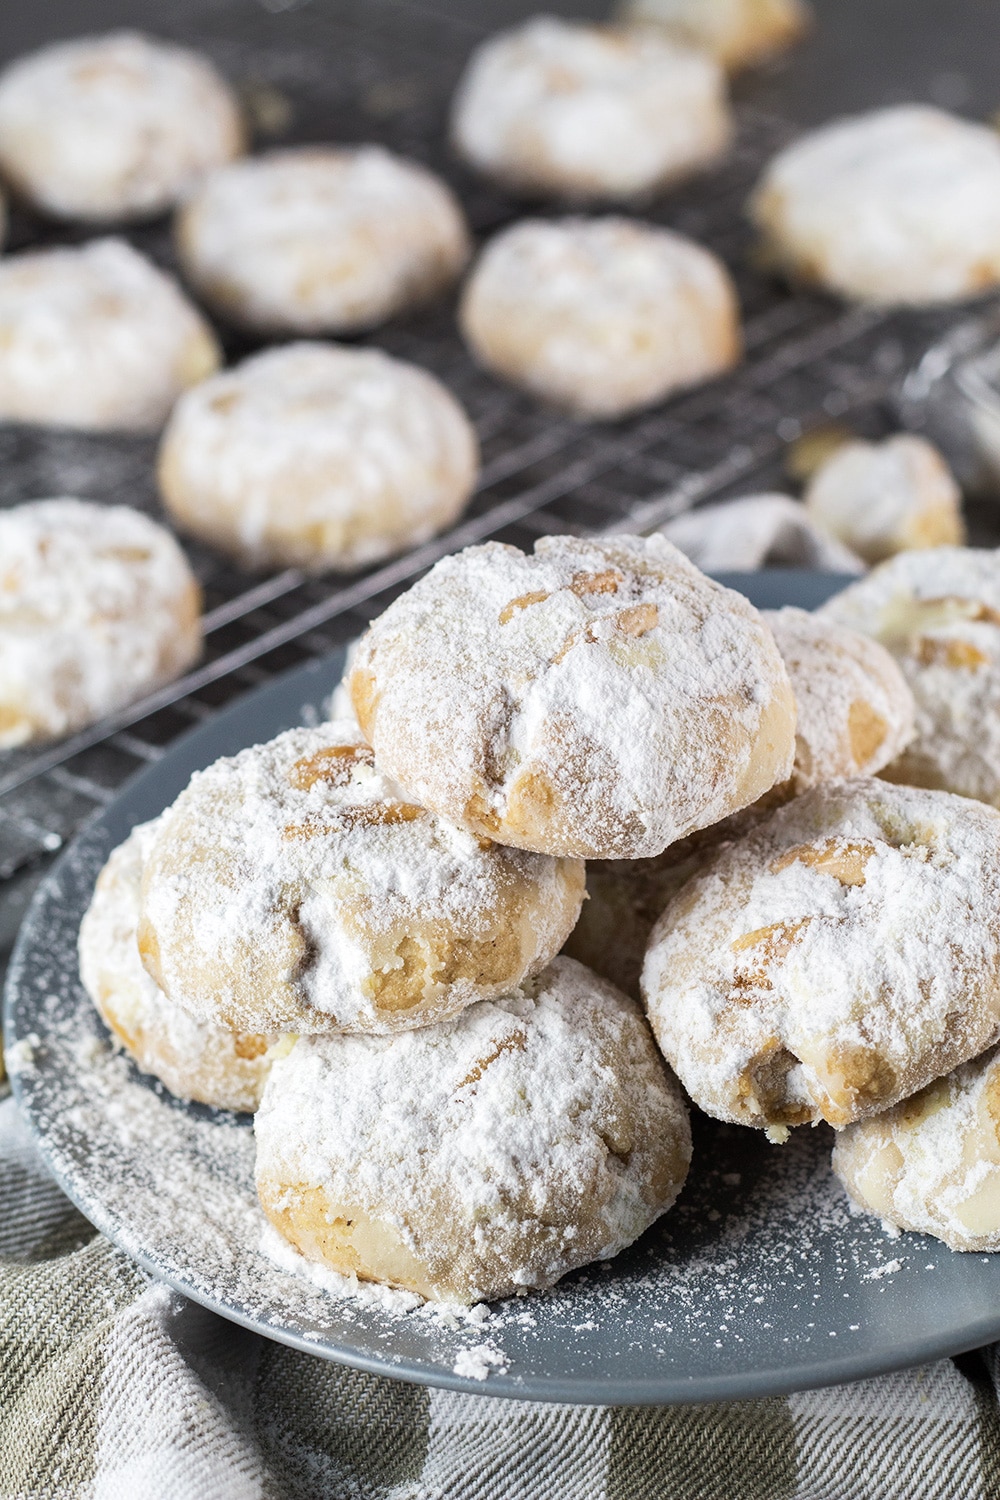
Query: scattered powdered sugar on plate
x,y
479,1362
889,1269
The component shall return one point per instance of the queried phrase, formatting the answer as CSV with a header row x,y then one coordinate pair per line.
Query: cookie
x,y
113,127
295,887
98,606
96,337
938,612
833,961
932,1164
901,205
476,1159
557,108
314,239
317,456
600,316
600,698
204,1063
883,498
738,32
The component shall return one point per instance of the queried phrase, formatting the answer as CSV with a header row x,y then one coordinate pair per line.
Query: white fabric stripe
x,y
914,1433
513,1450
163,1434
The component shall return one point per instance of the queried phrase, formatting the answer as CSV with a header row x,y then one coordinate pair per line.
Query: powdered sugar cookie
x,y
938,612
901,205
757,531
476,1159
98,606
113,127
834,960
317,456
854,715
318,240
96,337
297,888
580,112
737,32
932,1163
602,316
883,498
205,1063
600,698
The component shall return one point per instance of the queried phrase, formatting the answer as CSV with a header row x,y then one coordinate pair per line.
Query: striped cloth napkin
x,y
114,1388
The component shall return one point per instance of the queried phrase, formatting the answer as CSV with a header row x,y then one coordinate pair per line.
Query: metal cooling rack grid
x,y
383,69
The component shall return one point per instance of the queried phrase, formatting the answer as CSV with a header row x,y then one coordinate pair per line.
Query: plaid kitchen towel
x,y
113,1388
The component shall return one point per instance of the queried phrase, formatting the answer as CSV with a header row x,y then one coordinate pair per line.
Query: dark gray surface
x,y
759,1281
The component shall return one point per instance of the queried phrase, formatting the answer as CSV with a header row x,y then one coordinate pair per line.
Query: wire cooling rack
x,y
384,70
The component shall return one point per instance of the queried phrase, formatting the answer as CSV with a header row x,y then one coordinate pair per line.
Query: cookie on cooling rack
x,y
315,239
473,1160
901,205
587,112
738,32
854,715
932,1164
835,959
884,498
98,605
938,612
602,316
205,1063
113,127
96,337
296,887
600,697
317,456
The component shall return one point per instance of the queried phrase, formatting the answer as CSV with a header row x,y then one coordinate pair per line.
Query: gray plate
x,y
760,1280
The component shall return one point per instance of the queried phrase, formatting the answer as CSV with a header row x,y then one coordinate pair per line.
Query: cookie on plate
x,y
113,127
296,887
204,1063
901,205
883,498
557,108
600,697
938,612
932,1163
834,960
98,606
854,714
317,239
601,316
317,456
96,337
529,1135
738,32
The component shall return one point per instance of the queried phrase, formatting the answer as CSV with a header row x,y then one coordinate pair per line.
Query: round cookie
x,y
295,887
98,606
834,960
901,205
320,240
601,316
96,337
932,1164
738,32
884,498
938,612
600,697
113,127
205,1063
854,715
473,1160
587,112
317,456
